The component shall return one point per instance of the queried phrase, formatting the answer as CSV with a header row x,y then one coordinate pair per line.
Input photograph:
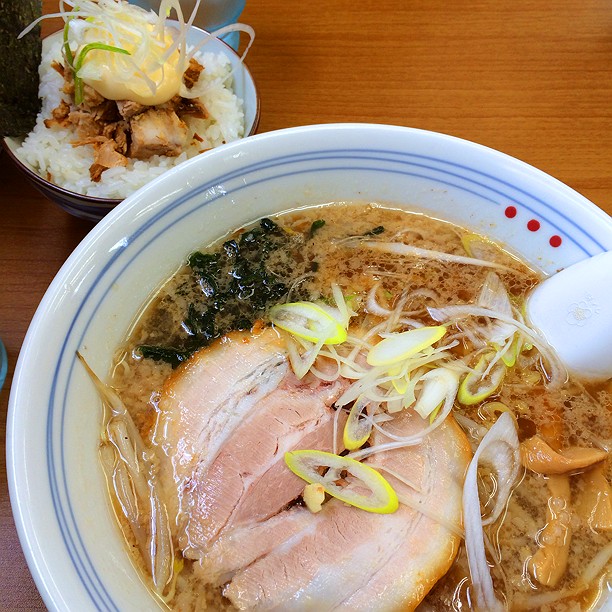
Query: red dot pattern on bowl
x,y
533,225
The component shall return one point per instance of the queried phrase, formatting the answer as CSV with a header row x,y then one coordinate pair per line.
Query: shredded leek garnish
x,y
483,381
412,440
308,321
372,304
399,347
556,372
437,385
494,296
358,427
499,449
130,470
311,326
78,64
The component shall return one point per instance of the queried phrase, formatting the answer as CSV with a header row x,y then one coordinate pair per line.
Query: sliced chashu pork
x,y
438,468
206,397
239,547
227,417
348,559
248,481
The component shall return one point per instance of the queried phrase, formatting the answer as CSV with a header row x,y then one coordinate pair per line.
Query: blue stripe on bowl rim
x,y
494,195
485,185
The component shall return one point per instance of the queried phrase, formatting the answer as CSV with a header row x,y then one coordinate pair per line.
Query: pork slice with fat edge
x,y
248,481
206,398
358,560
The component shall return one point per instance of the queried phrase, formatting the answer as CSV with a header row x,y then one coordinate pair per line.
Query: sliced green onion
x,y
437,384
342,312
357,429
511,355
400,383
494,408
78,64
378,497
301,363
480,384
309,322
66,46
434,414
342,304
398,347
409,394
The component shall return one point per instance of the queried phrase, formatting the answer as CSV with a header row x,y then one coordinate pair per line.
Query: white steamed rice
x,y
50,153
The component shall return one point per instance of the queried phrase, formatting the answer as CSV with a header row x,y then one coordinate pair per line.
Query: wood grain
x,y
530,78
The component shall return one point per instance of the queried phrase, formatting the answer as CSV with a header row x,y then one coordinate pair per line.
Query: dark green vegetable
x,y
172,356
374,232
318,224
235,285
19,103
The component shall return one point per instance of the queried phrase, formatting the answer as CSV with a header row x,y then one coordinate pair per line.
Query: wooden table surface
x,y
527,77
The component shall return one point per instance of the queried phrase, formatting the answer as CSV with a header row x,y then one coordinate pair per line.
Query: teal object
x,y
212,15
3,364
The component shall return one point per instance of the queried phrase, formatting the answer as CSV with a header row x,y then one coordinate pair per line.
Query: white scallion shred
x,y
499,449
405,441
372,305
407,250
494,296
131,471
557,373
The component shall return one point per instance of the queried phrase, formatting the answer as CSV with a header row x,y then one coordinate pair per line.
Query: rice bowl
x,y
61,170
52,154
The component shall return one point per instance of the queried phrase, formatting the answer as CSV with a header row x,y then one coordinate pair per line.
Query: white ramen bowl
x,y
63,515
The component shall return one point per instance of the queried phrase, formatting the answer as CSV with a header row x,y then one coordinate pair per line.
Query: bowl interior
x,y
57,488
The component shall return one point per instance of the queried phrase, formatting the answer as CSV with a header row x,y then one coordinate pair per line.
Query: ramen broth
x,y
306,250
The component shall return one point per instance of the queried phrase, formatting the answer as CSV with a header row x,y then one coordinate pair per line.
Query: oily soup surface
x,y
303,258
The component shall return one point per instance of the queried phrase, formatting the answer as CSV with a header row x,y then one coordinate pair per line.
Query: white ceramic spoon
x,y
573,310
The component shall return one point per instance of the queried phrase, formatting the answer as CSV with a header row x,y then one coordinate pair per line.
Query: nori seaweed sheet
x,y
19,61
